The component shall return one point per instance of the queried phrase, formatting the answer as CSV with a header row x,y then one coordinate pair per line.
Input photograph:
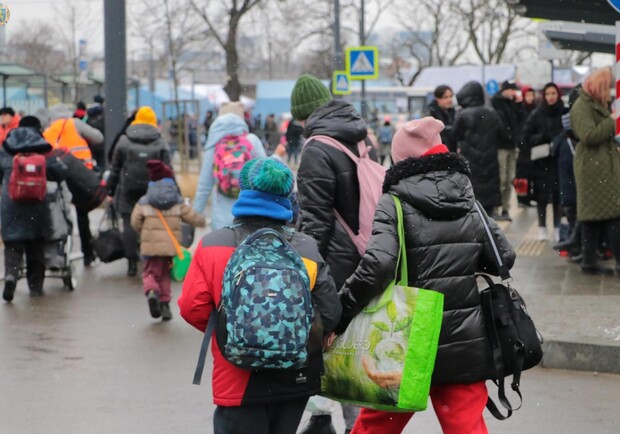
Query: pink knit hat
x,y
415,138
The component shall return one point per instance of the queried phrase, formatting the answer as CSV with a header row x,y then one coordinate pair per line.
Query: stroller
x,y
59,260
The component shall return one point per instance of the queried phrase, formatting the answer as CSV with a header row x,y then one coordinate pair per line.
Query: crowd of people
x,y
439,167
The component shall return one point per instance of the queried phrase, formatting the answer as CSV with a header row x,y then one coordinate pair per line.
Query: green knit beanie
x,y
308,95
267,175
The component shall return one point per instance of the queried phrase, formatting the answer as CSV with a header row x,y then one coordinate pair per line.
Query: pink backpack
x,y
370,175
231,153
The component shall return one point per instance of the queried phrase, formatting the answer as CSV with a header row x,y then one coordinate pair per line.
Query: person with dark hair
x,y
512,115
385,134
8,120
523,171
544,127
442,108
96,119
80,111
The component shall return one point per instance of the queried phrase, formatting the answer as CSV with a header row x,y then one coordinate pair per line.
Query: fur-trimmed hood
x,y
437,185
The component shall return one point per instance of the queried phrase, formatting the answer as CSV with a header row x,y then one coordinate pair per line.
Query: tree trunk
x,y
233,86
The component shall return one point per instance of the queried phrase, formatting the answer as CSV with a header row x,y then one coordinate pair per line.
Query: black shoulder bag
x,y
514,340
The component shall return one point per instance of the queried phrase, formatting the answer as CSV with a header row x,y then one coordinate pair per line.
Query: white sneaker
x,y
556,235
542,234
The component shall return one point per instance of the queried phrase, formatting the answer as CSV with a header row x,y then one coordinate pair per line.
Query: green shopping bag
x,y
181,262
180,265
385,358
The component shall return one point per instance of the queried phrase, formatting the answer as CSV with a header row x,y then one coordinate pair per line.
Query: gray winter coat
x,y
129,176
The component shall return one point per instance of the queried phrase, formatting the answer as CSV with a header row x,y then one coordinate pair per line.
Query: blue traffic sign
x,y
341,84
615,4
362,63
492,87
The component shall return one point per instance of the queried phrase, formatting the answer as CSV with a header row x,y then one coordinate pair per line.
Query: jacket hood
x,y
471,95
436,185
225,125
26,139
163,194
60,111
143,133
337,119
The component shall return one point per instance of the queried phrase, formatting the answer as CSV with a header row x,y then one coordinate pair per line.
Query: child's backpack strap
x,y
202,357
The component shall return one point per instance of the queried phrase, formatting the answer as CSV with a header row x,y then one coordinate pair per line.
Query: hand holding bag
x,y
515,342
386,357
181,262
109,243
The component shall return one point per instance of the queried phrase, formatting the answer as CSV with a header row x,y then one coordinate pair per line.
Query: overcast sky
x,y
29,11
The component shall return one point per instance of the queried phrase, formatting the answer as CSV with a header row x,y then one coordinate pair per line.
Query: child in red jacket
x,y
259,401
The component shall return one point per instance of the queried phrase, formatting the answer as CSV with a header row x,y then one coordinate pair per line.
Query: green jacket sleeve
x,y
590,134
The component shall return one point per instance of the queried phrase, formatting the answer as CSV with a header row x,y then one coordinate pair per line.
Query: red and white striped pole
x,y
617,74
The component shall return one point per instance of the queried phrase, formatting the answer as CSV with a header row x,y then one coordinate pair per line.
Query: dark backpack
x,y
135,175
28,181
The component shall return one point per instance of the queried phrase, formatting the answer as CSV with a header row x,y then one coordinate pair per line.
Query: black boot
x,y
321,424
590,265
9,289
132,267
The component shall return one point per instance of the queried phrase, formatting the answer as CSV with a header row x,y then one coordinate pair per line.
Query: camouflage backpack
x,y
231,153
265,312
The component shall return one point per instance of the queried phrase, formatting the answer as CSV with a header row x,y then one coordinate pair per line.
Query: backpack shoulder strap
x,y
330,141
202,356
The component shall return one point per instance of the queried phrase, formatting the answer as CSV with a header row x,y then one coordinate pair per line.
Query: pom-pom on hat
x,y
415,138
158,170
267,175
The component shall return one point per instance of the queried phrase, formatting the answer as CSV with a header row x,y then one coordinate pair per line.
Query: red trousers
x,y
156,276
458,407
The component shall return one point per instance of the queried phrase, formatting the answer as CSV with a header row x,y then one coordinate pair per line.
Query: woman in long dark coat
x,y
478,130
544,126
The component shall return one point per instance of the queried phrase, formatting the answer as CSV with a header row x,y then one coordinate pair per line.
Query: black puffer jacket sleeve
x,y
325,297
317,191
118,161
534,131
377,267
488,261
56,170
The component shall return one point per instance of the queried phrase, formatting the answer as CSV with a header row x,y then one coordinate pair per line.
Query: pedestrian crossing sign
x,y
341,83
362,63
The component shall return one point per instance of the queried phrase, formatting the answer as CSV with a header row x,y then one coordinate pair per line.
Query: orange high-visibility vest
x,y
63,134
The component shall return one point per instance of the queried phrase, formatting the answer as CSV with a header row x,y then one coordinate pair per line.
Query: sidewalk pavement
x,y
578,315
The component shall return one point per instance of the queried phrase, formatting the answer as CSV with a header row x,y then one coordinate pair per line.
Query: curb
x,y
581,357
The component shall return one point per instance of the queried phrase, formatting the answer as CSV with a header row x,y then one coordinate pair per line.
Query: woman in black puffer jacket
x,y
446,247
545,126
478,130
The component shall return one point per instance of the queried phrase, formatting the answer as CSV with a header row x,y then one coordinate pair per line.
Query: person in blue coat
x,y
231,123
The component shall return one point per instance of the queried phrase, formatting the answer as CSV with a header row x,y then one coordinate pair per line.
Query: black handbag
x,y
109,243
515,342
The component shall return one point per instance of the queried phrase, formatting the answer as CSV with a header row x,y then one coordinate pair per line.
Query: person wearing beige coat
x,y
156,244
